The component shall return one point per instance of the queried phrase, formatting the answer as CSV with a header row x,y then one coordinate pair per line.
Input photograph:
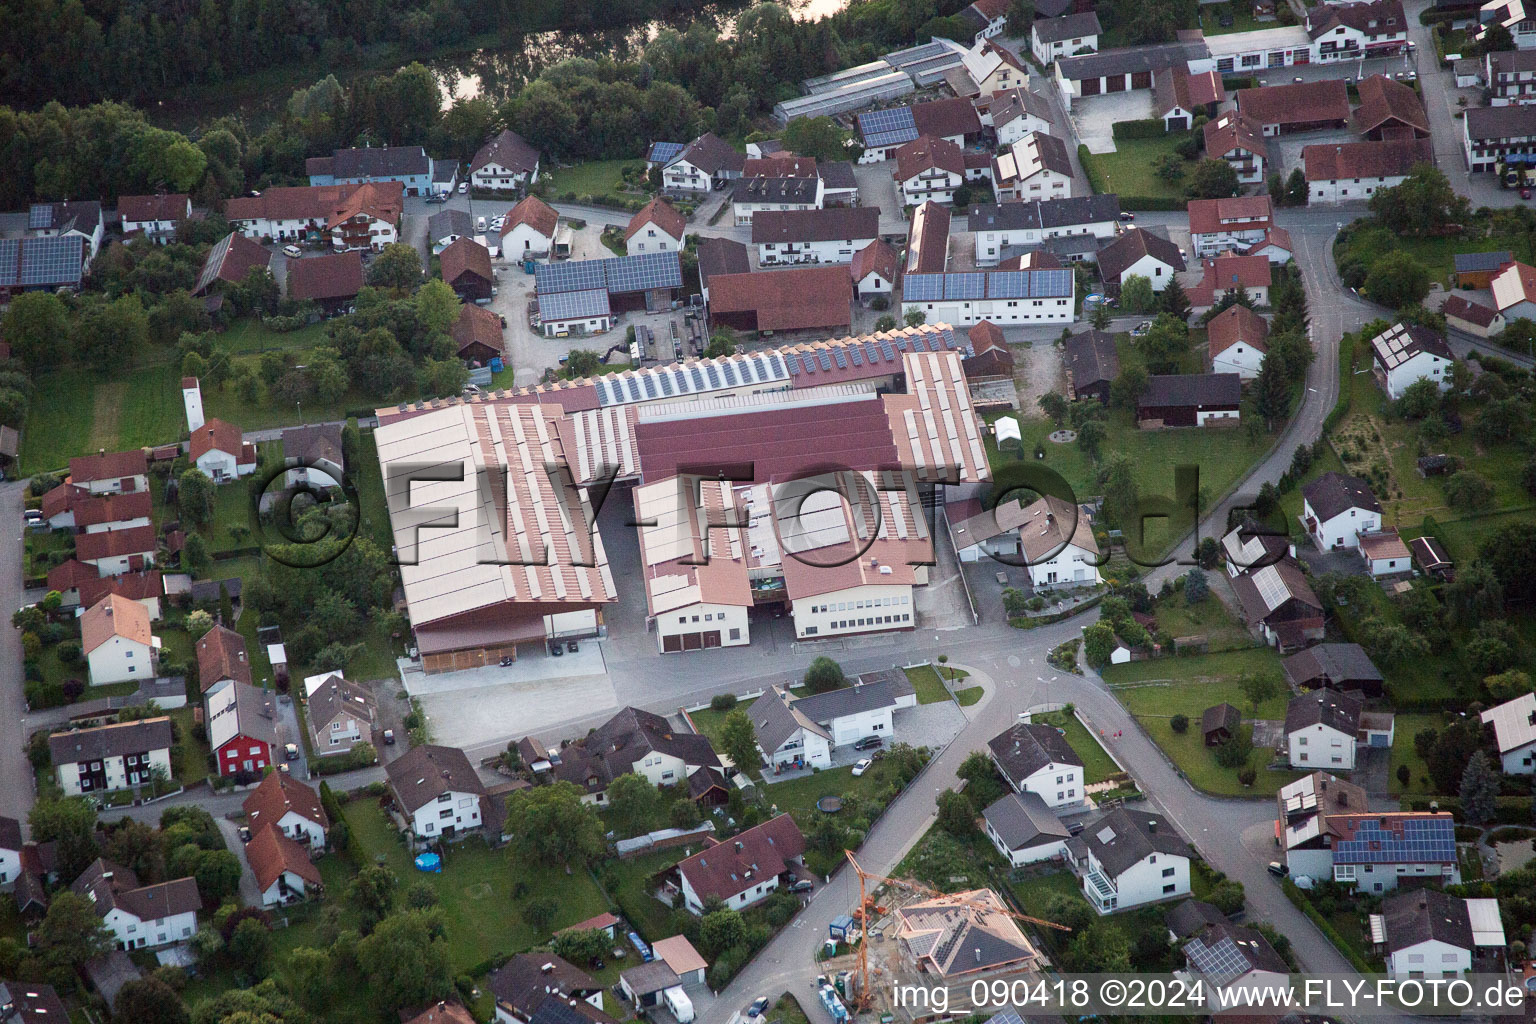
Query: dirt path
x,y
1037,370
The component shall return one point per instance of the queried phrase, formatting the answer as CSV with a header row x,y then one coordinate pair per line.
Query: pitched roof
x,y
712,155
1224,952
449,222
798,297
1024,748
1175,88
646,978
1261,591
477,325
1022,820
1235,324
137,540
534,212
110,885
925,153
1191,389
278,794
216,435
314,442
950,937
506,149
875,258
775,190
678,953
735,865
1427,552
1126,60
114,616
98,509
1120,255
378,200
1123,838
371,162
1190,917
1276,236
1016,103
721,256
831,224
331,275
221,655
779,165
1383,99
928,239
1220,716
1420,915
867,693
175,206
1228,272
1091,358
1514,722
1382,544
946,118
1334,493
660,213
1338,711
1483,123
112,740
1050,213
775,720
424,773
271,853
631,735
1232,213
1070,26
10,834
1231,132
71,574
1334,663
34,1002
1386,159
443,1013
1040,151
526,980
84,469
465,256
231,259
1380,17
1296,102
241,710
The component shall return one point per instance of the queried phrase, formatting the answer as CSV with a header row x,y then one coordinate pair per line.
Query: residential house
x,y
330,280
219,450
505,162
80,219
1275,246
116,552
1336,509
477,334
1037,759
788,738
1239,140
1018,112
1235,958
466,267
1375,851
1354,171
1297,106
242,729
1051,536
341,716
116,640
221,660
1250,275
1385,554
1247,546
1190,400
658,227
987,17
436,788
1024,829
527,980
991,358
1129,859
1390,109
290,808
860,711
999,228
1355,31
839,184
1005,298
444,1012
1514,729
314,454
105,758
1093,363
1228,225
1321,727
110,472
155,217
1179,97
753,195
1478,269
874,270
883,132
800,298
1512,15
368,218
1426,933
638,742
448,226
10,852
928,169
318,213
1279,606
529,229
1219,724
1066,36
30,1002
284,873
814,236
230,261
67,578
963,933
704,164
68,507
409,165
1492,135
1302,831
140,916
1510,76
1343,667
743,871
1035,167
1239,340
1514,293
1141,254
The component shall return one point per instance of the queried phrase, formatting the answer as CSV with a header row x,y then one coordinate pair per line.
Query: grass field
x,y
1242,19
1208,618
1188,686
73,412
248,335
627,884
1129,170
929,687
1405,728
596,178
968,696
1097,765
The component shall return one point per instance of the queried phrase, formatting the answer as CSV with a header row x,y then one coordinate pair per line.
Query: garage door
x,y
671,644
1178,124
692,642
1090,87
1114,83
1141,80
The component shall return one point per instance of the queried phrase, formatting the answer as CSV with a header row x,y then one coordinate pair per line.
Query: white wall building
x,y
1024,830
438,790
1336,509
117,641
1321,729
1429,934
787,737
814,236
1008,225
1037,759
1514,727
111,757
1131,859
505,162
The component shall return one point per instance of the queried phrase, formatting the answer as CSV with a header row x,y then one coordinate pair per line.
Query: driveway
x,y
1094,117
230,830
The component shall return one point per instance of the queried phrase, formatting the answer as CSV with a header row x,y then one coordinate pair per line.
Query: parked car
x,y
804,885
572,646
868,743
1075,827
1141,328
33,517
1127,215
438,197
293,252
1277,869
556,649
463,187
1298,79
389,737
245,833
862,767
759,1007
290,752
283,767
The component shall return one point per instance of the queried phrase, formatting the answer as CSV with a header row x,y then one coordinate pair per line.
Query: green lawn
x,y
594,178
930,688
1242,20
77,411
1189,685
1033,894
194,759
1405,728
475,889
248,336
1208,618
40,545
628,883
799,796
1129,170
1097,765
369,480
970,695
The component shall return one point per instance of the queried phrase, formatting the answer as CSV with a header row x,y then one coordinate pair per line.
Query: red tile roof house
x,y
284,873
928,168
117,551
1471,317
658,227
230,260
155,217
742,871
1239,338
1180,97
1224,225
874,270
991,358
107,471
801,298
505,162
466,267
331,281
146,587
1296,106
221,660
529,229
477,334
219,450
1228,273
242,729
293,809
369,218
1239,141
1352,171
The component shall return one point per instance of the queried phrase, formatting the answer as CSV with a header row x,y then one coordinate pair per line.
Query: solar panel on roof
x,y
573,305
888,127
51,261
872,351
10,259
842,360
965,286
824,360
857,355
713,373
728,371
634,390
650,385
666,384
40,216
922,287
794,364
698,378
887,351
1008,284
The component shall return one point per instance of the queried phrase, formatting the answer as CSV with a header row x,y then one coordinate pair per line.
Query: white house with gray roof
x,y
1129,859
787,738
1038,759
1428,934
1514,728
866,708
1024,830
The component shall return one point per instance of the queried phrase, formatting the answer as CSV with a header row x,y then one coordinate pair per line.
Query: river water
x,y
498,72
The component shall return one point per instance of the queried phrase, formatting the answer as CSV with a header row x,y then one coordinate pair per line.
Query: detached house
x,y
1490,135
1323,728
1353,31
1336,509
987,17
140,916
1250,275
1240,142
529,229
928,169
1426,933
964,933
155,217
1375,851
504,163
218,449
284,873
1036,167
1129,859
341,716
290,808
1018,112
1239,340
437,790
528,980
230,260
1037,759
704,164
874,269
1142,254
658,227
1514,729
242,729
633,741
123,755
760,194
1353,171
853,713
408,165
116,641
1228,225
1235,957
788,738
742,871
110,472
1050,38
1081,224
1279,606
814,236
1025,830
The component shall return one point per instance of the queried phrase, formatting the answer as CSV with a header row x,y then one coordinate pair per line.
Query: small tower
x,y
192,398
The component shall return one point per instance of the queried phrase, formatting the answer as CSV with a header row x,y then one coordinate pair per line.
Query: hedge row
x,y
1035,622
1089,171
1346,369
1146,128
1296,896
1152,203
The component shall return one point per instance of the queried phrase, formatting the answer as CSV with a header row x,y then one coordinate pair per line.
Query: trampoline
x,y
429,862
829,804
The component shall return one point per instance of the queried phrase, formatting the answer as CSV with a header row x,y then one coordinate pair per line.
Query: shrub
x,y
1179,723
722,702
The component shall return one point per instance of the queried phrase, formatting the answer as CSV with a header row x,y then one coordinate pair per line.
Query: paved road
x,y
15,770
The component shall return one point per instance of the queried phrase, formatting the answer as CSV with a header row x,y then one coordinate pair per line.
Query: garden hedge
x,y
1146,128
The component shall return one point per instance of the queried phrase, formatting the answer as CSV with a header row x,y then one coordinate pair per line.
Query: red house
x,y
242,728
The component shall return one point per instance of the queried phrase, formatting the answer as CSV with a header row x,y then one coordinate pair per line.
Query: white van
x,y
479,223
293,252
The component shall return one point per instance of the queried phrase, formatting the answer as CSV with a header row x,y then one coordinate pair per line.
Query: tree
x,y
1422,204
721,343
1479,790
251,946
1127,389
1175,301
1196,588
1508,685
1227,896
372,893
632,804
817,137
556,827
1397,279
721,930
824,674
1259,687
1496,39
1272,393
956,816
149,1001
1090,438
1098,643
581,947
1165,345
1276,188
37,327
738,741
194,496
437,305
397,266
70,824
982,785
217,875
1169,167
1213,179
1467,491
404,963
1502,420
264,1004
915,318
1136,294
199,622
885,323
1391,642
1419,399
308,973
1101,317
71,932
1296,188
540,912
194,554
583,363
1179,723
107,331
1054,404
421,896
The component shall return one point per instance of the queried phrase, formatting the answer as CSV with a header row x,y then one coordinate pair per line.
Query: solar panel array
x,y
215,262
888,127
1222,963
588,303
663,152
41,262
10,259
643,272
40,216
693,379
1422,841
1000,284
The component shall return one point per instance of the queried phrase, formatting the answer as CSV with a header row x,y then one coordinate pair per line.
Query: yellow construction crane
x,y
861,1001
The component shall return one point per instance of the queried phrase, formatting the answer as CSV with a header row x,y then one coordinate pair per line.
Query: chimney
x,y
977,951
738,846
101,451
1151,824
